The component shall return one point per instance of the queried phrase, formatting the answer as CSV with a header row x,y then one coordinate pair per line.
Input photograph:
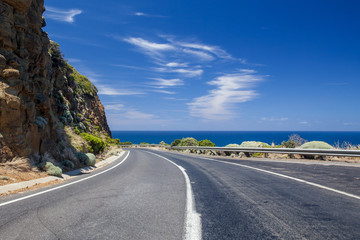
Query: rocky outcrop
x,y
40,93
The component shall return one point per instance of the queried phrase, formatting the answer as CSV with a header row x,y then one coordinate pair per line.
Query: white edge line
x,y
62,186
288,177
192,219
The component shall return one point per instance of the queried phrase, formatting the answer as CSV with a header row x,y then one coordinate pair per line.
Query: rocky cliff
x,y
46,107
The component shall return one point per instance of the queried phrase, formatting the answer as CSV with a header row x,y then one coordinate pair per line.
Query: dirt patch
x,y
35,187
19,170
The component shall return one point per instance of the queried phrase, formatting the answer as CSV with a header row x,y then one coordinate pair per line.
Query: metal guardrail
x,y
320,152
314,152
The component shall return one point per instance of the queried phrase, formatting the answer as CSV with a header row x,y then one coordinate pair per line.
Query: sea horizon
x,y
222,138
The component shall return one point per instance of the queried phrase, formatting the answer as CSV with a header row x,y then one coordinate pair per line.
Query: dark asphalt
x,y
145,197
240,203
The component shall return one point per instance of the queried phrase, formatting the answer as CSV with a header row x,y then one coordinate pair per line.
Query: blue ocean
x,y
222,138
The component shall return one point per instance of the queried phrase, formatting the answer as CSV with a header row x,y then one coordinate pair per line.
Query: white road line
x,y
285,176
62,186
192,219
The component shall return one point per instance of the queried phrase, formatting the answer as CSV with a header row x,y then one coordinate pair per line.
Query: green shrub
x,y
97,145
82,157
175,143
316,145
288,144
188,142
254,144
4,178
206,143
234,145
68,164
91,159
112,141
77,131
144,143
162,143
51,169
125,143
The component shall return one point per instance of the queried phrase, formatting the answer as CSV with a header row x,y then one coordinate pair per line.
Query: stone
x,y
20,5
10,73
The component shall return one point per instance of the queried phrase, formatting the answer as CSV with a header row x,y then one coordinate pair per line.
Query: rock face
x,y
40,93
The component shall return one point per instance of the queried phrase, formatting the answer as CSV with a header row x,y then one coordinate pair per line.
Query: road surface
x,y
149,194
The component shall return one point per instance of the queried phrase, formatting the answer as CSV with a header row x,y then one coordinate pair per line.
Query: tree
x,y
206,143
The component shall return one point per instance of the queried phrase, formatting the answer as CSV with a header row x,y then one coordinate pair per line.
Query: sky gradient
x,y
216,65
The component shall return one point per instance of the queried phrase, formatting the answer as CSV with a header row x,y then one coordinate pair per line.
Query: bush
x,y
234,145
316,145
206,143
125,143
51,169
91,159
288,144
82,157
97,145
175,143
162,143
254,144
188,142
68,164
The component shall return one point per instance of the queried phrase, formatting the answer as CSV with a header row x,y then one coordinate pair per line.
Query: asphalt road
x,y
147,197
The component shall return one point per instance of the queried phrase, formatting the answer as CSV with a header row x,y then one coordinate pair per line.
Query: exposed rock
x,y
20,5
10,73
39,91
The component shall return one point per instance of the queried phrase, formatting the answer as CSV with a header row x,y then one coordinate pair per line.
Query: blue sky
x,y
216,65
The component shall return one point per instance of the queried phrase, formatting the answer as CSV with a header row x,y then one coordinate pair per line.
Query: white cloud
x,y
176,64
274,119
150,48
141,14
183,71
177,49
129,67
203,56
164,91
106,90
62,15
230,90
115,107
134,114
207,48
304,122
161,82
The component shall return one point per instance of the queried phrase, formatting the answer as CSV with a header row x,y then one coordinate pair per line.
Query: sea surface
x,y
222,138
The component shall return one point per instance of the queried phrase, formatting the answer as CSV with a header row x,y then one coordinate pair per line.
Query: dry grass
x,y
18,170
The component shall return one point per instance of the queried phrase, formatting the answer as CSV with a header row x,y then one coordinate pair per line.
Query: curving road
x,y
150,194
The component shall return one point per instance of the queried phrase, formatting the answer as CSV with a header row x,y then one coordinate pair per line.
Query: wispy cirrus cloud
x,y
111,91
142,14
152,49
182,71
61,14
115,107
230,89
127,112
164,83
176,48
274,119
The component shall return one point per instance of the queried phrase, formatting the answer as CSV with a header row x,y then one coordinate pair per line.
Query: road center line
x,y
65,185
192,219
285,176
